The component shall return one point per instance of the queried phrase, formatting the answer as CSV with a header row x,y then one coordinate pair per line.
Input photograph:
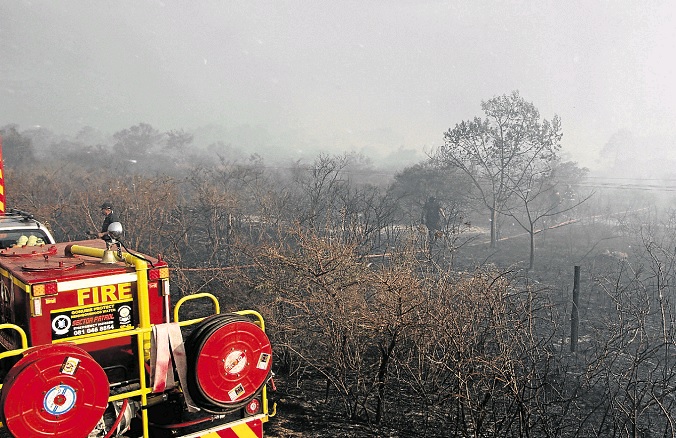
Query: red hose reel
x,y
54,390
229,361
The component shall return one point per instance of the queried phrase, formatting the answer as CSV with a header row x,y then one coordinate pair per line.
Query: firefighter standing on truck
x,y
109,218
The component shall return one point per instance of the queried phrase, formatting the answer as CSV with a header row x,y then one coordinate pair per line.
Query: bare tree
x,y
501,152
543,192
319,188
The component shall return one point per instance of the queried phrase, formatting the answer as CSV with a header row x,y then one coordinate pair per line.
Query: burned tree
x,y
501,152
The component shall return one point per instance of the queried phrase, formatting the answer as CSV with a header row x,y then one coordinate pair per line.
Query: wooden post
x,y
575,316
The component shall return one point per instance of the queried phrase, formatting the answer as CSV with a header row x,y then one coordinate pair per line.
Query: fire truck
x,y
92,346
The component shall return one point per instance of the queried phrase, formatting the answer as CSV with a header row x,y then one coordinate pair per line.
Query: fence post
x,y
575,316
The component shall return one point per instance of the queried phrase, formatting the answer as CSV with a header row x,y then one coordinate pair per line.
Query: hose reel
x,y
229,360
54,390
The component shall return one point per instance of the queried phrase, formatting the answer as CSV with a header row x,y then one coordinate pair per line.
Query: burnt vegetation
x,y
384,324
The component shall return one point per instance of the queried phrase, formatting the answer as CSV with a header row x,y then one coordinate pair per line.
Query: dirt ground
x,y
297,418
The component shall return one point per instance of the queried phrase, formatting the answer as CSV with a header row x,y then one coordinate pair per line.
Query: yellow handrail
x,y
217,306
261,322
22,333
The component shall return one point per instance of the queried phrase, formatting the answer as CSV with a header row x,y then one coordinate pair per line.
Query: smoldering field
x,y
381,328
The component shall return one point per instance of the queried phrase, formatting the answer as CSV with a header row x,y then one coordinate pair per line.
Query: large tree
x,y
415,184
136,142
500,152
17,148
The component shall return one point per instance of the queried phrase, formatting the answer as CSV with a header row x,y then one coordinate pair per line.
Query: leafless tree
x,y
499,153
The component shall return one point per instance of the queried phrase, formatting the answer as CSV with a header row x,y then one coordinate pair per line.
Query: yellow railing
x,y
24,341
179,303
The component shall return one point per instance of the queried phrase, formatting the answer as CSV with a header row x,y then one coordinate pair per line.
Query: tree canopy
x,y
501,152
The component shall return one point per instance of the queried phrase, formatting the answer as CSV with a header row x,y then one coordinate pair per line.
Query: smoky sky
x,y
374,76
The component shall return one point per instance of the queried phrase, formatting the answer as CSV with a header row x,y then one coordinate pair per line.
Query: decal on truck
x,y
110,292
82,321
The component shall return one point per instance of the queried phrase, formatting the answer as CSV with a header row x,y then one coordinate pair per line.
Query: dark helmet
x,y
106,205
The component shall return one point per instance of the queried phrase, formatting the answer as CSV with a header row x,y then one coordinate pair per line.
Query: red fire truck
x,y
93,347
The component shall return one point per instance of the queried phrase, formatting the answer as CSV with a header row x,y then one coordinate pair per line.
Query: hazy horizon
x,y
375,77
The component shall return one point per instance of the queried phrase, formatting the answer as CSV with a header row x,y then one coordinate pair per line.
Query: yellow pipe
x,y
144,317
22,333
141,287
177,306
97,337
142,382
261,322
